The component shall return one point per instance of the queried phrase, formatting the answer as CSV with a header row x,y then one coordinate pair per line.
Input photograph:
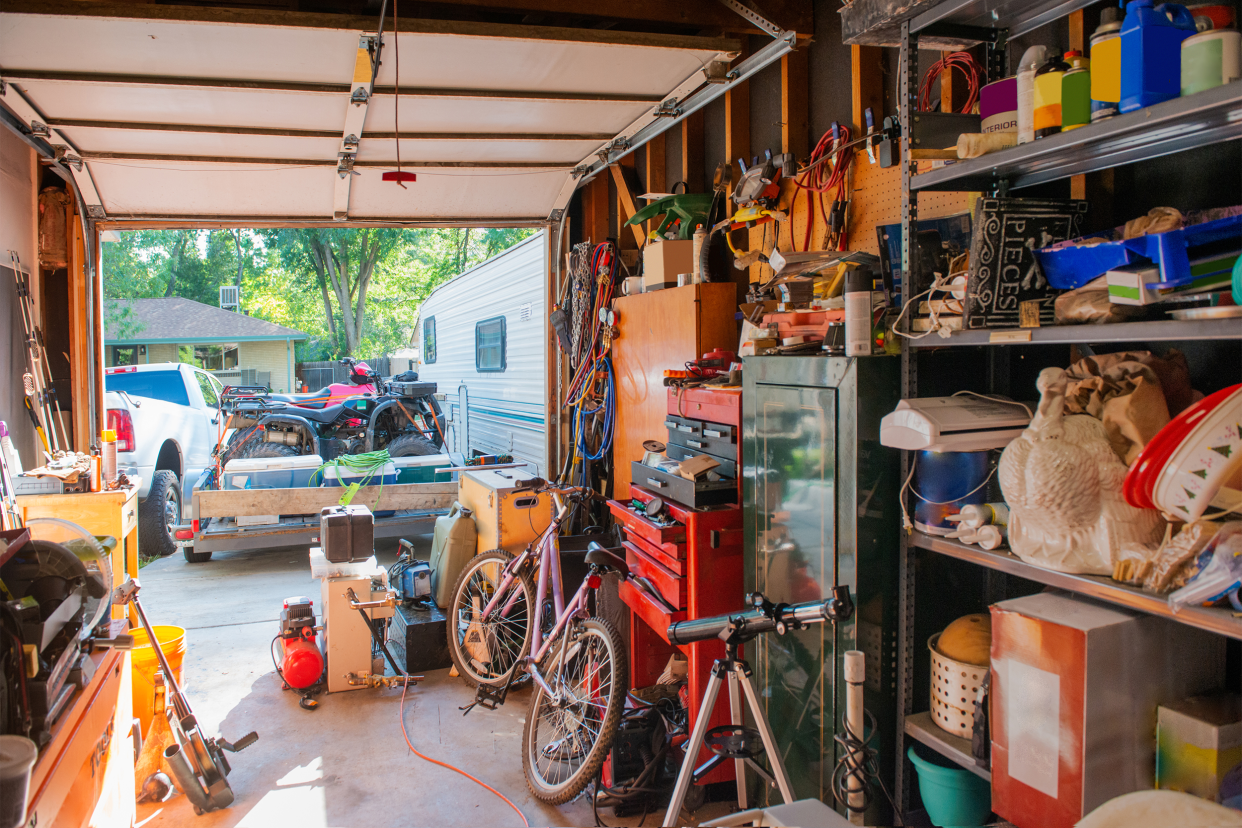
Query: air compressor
x,y
301,661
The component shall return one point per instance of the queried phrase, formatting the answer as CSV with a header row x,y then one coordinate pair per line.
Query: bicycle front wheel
x,y
486,650
566,738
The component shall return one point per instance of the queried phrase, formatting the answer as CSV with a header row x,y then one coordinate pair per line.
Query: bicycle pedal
x,y
490,696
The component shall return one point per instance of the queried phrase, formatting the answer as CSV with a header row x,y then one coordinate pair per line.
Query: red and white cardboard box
x,y
1075,687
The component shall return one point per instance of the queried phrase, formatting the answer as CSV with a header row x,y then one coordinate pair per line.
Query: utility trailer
x,y
214,526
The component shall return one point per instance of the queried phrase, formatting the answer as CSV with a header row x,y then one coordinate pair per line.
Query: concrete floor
x,y
345,764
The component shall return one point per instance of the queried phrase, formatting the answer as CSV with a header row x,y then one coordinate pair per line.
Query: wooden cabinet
x,y
661,330
112,513
85,774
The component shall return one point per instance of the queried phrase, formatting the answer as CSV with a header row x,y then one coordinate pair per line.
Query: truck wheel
x,y
195,557
411,445
159,515
259,448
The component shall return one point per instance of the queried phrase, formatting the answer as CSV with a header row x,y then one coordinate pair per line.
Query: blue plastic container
x,y
954,797
951,480
1151,52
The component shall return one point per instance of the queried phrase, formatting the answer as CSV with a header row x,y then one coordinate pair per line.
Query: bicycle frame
x,y
549,570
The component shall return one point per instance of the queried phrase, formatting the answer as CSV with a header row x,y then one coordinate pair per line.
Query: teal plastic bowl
x,y
954,797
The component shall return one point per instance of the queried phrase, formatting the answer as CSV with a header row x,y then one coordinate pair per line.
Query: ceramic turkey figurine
x,y
1062,482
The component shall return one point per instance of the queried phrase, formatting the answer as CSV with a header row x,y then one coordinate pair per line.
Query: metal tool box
x,y
507,517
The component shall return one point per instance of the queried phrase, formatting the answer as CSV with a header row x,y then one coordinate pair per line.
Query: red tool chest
x,y
693,567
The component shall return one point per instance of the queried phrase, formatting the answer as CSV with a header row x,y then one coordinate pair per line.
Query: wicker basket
x,y
955,686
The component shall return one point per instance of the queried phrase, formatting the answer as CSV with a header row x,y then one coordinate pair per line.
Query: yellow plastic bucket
x,y
144,664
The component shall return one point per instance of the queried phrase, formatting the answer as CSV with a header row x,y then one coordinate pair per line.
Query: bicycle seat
x,y
606,559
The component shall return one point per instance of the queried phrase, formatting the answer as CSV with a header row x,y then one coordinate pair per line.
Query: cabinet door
x,y
790,491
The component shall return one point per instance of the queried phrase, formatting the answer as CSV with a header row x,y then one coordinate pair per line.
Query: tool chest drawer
x,y
647,529
728,465
695,494
672,587
653,614
683,425
702,444
670,555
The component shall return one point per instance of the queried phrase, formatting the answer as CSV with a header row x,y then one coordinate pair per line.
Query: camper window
x,y
429,340
489,345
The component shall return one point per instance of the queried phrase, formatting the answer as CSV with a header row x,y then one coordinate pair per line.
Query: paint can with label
x,y
1211,59
998,105
1076,92
1106,65
1048,96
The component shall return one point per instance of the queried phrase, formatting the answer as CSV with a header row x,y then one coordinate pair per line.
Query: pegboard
x,y
877,200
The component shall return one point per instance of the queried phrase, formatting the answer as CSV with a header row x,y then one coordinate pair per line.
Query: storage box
x,y
664,260
417,638
696,494
273,472
347,533
422,469
1075,687
1135,284
507,517
1200,748
385,476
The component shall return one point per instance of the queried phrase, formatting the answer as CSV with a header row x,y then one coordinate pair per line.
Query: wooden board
x,y
658,331
308,501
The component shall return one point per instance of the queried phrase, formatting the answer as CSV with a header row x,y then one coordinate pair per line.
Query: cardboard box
x,y
697,466
1199,748
663,260
1075,687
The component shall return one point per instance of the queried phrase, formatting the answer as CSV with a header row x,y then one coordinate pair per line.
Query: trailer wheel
x,y
411,445
195,557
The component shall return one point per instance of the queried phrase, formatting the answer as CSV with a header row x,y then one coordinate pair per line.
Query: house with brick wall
x,y
237,348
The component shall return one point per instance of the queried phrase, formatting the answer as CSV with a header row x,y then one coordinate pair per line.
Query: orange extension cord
x,y
451,767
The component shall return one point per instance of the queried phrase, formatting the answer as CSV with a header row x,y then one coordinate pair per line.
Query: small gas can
x,y
1076,92
1106,65
1151,44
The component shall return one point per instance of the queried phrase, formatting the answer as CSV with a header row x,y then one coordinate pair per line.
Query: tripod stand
x,y
736,741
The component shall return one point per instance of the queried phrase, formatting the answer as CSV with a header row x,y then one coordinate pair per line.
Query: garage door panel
x,y
289,53
207,144
449,193
565,153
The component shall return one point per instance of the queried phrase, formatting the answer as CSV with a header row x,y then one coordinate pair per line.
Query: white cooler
x,y
272,472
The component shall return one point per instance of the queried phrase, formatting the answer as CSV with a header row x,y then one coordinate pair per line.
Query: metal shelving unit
x,y
922,728
1166,330
1212,619
1173,126
1182,123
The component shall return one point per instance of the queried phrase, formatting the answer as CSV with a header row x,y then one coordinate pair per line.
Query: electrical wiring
x,y
837,152
852,777
962,62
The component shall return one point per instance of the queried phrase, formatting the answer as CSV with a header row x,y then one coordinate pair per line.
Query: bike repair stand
x,y
737,742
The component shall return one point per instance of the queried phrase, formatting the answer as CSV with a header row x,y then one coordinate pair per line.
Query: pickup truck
x,y
166,418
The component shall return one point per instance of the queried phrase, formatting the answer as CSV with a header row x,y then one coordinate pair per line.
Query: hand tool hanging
x,y
40,392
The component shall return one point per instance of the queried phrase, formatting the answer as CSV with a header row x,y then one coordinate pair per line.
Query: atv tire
x,y
411,445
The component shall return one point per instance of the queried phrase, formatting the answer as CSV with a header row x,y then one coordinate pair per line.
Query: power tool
x,y
301,663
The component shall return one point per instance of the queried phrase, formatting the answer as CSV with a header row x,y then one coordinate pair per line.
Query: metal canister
x,y
998,105
1076,92
1210,59
1106,65
1048,96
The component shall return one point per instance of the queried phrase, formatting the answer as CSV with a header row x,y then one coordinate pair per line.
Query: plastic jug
x,y
453,544
1032,59
1151,52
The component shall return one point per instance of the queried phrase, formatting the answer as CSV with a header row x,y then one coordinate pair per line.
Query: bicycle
x,y
578,667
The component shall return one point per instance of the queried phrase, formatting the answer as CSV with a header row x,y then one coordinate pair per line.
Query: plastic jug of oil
x,y
1151,46
1032,59
1106,65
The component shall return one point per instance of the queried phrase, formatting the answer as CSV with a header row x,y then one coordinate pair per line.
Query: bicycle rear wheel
x,y
566,739
486,650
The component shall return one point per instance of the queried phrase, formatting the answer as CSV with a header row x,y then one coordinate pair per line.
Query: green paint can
x,y
1211,59
1076,92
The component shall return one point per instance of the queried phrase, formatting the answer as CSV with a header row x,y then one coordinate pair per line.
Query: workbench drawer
x,y
654,615
671,587
640,525
669,555
695,494
728,465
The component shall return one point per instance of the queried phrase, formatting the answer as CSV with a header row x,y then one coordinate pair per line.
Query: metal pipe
x,y
854,668
185,778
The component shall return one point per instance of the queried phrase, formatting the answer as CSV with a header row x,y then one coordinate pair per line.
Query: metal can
x,y
1106,65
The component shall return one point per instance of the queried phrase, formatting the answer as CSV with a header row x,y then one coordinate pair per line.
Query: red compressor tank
x,y
301,664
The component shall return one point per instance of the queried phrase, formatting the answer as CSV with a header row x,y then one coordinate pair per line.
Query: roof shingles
x,y
174,319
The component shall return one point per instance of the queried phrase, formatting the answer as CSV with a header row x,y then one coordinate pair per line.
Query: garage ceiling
x,y
204,114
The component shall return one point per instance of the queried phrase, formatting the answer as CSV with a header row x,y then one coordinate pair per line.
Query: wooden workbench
x,y
112,513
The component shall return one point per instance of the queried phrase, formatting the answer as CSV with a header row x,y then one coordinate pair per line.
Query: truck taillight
x,y
120,421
